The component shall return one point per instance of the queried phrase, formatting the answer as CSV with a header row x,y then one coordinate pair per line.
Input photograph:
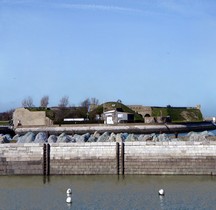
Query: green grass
x,y
116,105
4,122
159,111
178,114
49,113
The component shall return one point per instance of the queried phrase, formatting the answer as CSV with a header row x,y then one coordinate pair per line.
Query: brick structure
x,y
194,158
145,111
21,159
24,117
85,158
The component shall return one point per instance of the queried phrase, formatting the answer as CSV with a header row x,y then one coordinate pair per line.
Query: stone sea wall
x,y
87,158
20,159
179,157
197,158
120,128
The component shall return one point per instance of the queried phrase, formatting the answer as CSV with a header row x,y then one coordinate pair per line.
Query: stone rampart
x,y
30,118
84,158
21,159
128,128
195,158
170,158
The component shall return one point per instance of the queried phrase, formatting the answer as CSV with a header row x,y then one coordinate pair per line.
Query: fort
x,y
114,158
107,113
116,117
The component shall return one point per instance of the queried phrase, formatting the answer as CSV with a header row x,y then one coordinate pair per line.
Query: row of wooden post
x,y
119,160
46,159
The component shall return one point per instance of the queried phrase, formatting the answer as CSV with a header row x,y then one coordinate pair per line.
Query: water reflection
x,y
46,179
161,198
107,192
69,205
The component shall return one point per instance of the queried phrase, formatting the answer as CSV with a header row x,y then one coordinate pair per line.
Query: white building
x,y
114,117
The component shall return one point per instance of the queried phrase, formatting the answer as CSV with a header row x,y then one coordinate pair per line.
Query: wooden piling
x,y
44,159
117,158
48,160
122,158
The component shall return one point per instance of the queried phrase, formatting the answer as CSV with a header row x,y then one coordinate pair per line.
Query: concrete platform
x,y
121,128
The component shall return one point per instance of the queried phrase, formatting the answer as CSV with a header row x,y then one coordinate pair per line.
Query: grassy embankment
x,y
179,114
118,106
4,123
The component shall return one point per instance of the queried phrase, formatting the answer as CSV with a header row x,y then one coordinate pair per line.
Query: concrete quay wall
x,y
194,158
121,128
85,158
21,159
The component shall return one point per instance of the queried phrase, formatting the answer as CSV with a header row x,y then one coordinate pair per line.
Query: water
x,y
214,132
108,192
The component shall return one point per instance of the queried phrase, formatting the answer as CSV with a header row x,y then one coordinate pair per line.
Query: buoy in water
x,y
69,199
161,192
69,191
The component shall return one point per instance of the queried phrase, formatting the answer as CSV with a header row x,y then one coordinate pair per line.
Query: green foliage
x,y
97,111
115,105
32,109
49,113
159,111
178,114
4,123
69,112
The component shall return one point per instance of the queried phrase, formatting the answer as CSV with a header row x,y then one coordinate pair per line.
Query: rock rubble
x,y
42,137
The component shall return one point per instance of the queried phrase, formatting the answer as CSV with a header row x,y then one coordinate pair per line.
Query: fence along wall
x,y
108,158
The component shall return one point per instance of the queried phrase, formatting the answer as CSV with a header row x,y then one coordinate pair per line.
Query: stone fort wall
x,y
143,110
195,158
30,118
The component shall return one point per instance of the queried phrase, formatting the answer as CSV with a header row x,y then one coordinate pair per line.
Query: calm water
x,y
108,192
214,132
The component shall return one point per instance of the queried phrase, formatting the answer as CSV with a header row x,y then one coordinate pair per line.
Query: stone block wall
x,y
30,118
170,158
83,158
195,158
21,159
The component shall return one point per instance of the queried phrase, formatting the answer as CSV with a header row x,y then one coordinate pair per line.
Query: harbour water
x,y
214,132
107,192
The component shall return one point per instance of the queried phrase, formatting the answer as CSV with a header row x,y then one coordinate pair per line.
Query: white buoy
x,y
69,199
69,191
161,192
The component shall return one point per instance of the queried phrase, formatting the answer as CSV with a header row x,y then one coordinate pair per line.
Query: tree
x,y
28,102
64,102
86,103
94,101
6,116
44,101
89,102
62,110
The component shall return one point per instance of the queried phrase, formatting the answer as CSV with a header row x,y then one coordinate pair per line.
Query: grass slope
x,y
178,114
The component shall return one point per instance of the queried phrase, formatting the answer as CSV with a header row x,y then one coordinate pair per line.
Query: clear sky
x,y
143,52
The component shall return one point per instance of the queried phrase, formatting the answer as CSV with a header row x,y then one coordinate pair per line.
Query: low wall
x,y
195,158
170,158
17,159
85,158
120,128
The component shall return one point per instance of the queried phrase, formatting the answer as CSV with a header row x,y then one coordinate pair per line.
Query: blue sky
x,y
146,52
